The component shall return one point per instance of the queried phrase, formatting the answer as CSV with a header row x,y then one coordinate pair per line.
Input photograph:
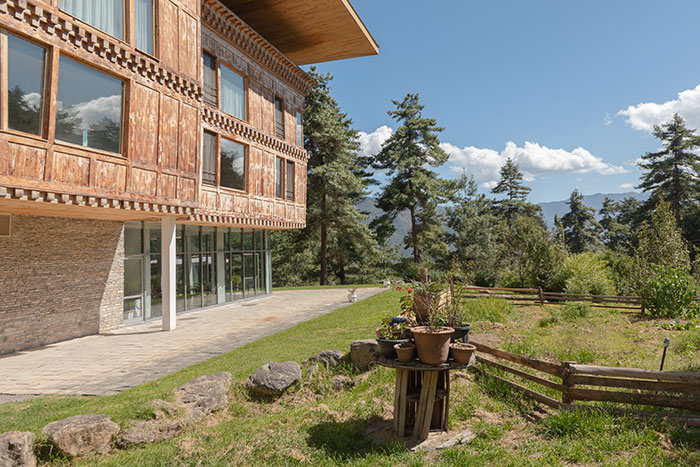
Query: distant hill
x,y
402,223
550,208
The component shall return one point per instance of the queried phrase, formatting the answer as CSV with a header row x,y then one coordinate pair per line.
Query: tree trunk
x,y
414,235
324,244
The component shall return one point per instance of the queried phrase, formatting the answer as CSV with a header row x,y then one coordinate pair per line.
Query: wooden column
x,y
168,274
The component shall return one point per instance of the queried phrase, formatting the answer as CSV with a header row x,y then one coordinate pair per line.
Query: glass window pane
x,y
180,238
133,309
237,276
232,92
180,274
192,233
279,174
279,117
156,291
232,164
258,240
248,241
209,279
133,238
133,279
88,107
194,281
106,15
236,240
154,237
211,91
209,159
208,239
25,85
143,12
249,274
300,129
290,181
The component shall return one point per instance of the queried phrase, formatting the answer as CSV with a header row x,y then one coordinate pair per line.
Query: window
x,y
25,85
107,15
209,159
279,178
232,164
279,117
232,92
143,17
211,88
300,129
290,181
88,106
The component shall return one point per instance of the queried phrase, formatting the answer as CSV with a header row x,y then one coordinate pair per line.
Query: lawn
x,y
315,424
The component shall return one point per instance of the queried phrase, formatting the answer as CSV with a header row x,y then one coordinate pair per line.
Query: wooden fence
x,y
583,383
538,296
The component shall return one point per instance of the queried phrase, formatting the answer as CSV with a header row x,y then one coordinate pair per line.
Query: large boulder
x,y
17,449
364,352
203,395
329,358
82,434
273,378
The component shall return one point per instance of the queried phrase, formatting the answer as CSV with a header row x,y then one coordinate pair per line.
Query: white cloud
x,y
93,111
371,143
532,158
627,186
33,100
645,115
607,120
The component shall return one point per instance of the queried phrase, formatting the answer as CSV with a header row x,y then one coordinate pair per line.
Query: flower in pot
x,y
391,332
462,352
433,338
405,351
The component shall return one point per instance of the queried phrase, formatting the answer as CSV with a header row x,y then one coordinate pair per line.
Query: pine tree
x,y
616,223
673,173
559,234
407,157
336,182
515,202
581,228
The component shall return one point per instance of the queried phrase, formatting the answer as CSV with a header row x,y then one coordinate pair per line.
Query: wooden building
x,y
146,149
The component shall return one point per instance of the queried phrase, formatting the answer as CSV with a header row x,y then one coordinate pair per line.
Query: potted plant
x,y
391,332
405,351
455,312
427,296
462,352
433,338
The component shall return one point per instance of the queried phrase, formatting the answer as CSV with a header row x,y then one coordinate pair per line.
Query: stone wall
x,y
59,278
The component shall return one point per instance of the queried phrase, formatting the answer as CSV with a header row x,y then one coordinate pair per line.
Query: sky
x,y
569,89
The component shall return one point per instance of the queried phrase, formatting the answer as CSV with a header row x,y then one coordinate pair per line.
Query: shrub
x,y
588,274
576,310
669,292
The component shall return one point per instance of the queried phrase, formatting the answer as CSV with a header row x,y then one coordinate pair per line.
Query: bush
x,y
588,274
576,310
670,292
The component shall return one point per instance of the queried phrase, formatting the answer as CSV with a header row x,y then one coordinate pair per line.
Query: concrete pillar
x,y
220,267
168,274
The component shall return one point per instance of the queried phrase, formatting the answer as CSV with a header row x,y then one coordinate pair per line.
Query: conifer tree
x,y
515,202
616,225
406,158
581,228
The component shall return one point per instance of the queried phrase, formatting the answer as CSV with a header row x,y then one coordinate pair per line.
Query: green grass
x,y
333,286
317,425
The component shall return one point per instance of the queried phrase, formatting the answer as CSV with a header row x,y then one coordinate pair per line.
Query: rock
x,y
341,382
82,434
163,409
329,358
203,395
17,449
461,438
273,378
151,431
364,352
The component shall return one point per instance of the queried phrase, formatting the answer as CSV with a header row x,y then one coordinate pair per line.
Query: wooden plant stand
x,y
422,396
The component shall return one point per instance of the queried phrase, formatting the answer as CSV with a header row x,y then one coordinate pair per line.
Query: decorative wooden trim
x,y
221,19
221,121
96,42
265,223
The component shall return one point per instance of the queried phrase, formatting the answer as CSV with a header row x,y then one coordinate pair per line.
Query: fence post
x,y
566,382
539,289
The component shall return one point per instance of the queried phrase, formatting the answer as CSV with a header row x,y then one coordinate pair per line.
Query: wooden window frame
x,y
221,63
126,90
296,127
130,19
282,175
217,77
216,158
127,22
46,85
277,126
246,151
287,164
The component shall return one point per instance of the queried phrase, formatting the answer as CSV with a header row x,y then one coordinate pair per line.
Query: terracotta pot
x,y
432,343
405,351
462,352
386,347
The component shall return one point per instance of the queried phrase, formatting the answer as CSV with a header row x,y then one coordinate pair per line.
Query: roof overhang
x,y
308,31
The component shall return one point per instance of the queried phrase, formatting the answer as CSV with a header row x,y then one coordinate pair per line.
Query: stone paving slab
x,y
132,355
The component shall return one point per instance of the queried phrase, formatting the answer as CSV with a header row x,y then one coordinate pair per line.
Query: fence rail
x,y
591,383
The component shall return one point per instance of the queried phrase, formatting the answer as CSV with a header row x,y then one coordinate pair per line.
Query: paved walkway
x,y
129,356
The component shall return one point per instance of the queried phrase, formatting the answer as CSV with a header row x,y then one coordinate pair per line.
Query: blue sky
x,y
542,81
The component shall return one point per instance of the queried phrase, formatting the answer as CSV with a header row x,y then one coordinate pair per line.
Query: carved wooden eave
x,y
237,32
65,27
217,119
227,221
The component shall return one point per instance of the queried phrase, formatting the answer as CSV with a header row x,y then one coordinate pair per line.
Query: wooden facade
x,y
159,169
